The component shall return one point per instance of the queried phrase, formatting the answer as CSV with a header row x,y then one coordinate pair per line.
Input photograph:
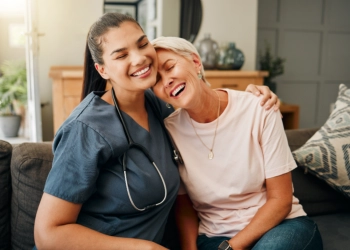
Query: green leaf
x,y
274,65
13,85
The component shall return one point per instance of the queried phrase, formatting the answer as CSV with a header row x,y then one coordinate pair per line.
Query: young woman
x,y
113,179
237,162
88,200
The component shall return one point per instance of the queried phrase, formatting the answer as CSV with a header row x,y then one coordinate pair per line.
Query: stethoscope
x,y
132,144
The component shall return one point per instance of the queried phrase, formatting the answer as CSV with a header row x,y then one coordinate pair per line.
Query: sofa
x,y
24,167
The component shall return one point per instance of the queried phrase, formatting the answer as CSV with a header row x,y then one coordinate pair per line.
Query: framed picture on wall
x,y
142,9
152,10
120,8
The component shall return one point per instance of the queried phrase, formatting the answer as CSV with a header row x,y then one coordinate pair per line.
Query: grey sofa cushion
x,y
316,196
334,229
5,194
298,137
31,163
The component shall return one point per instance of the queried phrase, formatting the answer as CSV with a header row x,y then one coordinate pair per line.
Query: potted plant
x,y
13,96
274,65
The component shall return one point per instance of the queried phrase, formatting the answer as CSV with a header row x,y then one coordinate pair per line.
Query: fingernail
x,y
257,93
262,103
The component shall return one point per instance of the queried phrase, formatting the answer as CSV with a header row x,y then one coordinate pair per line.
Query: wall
x,y
232,21
65,24
316,48
169,13
7,52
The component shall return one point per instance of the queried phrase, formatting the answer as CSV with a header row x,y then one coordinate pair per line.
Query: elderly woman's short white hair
x,y
179,46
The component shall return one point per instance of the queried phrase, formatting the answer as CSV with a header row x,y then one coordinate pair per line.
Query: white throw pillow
x,y
326,153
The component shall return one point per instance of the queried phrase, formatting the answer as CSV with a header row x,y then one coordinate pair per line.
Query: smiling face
x,y
177,81
130,61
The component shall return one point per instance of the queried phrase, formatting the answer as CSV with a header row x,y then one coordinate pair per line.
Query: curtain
x,y
191,18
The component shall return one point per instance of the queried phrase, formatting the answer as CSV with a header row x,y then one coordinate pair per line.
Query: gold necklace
x,y
211,154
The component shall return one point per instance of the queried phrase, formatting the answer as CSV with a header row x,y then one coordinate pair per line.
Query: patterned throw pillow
x,y
326,153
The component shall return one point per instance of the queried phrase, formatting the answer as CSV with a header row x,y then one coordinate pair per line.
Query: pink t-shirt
x,y
250,146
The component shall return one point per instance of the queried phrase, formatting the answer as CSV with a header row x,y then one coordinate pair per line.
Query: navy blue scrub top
x,y
87,169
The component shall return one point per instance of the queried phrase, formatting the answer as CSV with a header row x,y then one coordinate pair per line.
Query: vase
x,y
229,57
223,60
10,125
207,49
236,56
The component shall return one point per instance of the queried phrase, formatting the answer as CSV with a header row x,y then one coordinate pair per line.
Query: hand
x,y
235,245
269,98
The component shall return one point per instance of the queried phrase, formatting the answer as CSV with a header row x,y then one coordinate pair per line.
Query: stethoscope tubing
x,y
132,144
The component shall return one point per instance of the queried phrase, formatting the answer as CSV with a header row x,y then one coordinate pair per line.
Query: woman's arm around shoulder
x,y
56,228
268,100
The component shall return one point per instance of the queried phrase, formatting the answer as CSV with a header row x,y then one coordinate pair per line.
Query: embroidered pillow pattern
x,y
326,153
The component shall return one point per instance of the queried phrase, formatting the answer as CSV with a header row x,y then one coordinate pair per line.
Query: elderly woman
x,y
237,163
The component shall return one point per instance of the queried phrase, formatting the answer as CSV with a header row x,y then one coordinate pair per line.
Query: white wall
x,y
170,16
232,21
11,13
65,24
6,51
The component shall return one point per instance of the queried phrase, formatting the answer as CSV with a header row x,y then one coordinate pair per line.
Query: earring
x,y
168,105
200,76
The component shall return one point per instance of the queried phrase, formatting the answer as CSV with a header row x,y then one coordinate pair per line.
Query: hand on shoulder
x,y
269,99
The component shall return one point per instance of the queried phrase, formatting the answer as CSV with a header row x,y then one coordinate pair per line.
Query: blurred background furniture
x,y
66,91
67,86
290,113
234,79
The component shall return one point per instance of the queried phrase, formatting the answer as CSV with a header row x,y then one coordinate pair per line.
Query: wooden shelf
x,y
234,79
67,87
236,73
68,82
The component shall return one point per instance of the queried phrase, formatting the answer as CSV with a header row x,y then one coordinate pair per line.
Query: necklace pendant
x,y
211,155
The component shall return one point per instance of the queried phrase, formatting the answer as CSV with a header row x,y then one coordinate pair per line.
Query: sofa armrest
x,y
5,194
30,165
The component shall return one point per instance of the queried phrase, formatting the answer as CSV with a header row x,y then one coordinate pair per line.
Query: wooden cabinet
x,y
234,79
290,113
67,86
